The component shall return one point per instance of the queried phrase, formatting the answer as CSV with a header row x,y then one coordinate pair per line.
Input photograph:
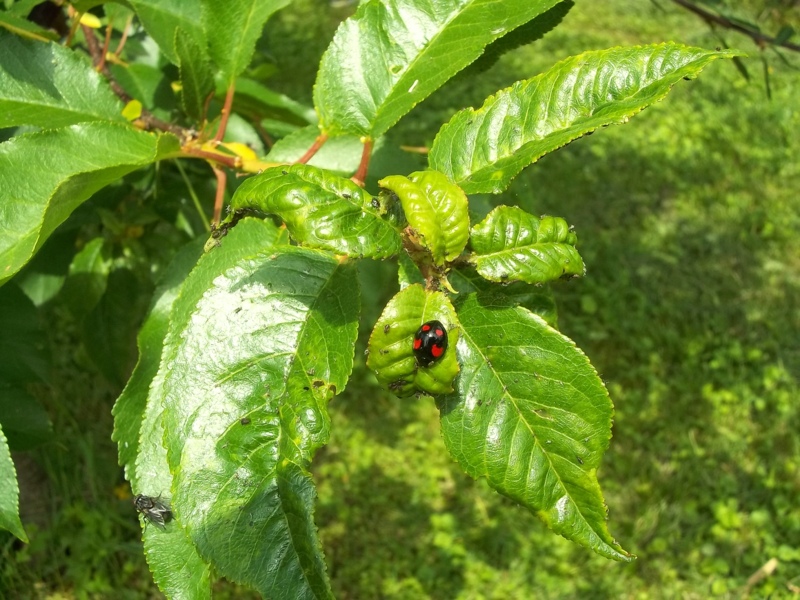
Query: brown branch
x,y
321,139
148,119
226,113
713,19
104,51
361,174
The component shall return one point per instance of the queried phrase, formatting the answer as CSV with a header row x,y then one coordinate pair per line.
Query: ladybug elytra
x,y
430,343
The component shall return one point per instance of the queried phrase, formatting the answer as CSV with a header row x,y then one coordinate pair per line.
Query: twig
x,y
361,174
147,118
104,52
226,112
321,139
124,37
219,200
713,19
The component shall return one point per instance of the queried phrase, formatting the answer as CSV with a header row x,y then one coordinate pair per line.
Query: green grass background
x,y
689,223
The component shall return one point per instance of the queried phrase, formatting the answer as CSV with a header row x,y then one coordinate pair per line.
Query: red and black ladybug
x,y
430,342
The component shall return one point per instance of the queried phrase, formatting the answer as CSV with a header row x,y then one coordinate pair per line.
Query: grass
x,y
688,219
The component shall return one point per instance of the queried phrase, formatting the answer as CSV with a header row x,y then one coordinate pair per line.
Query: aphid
x,y
430,343
154,510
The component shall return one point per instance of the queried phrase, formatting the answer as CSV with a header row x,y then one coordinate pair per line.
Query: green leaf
x,y
528,33
258,101
393,54
531,415
197,78
23,419
235,27
147,84
483,150
50,86
22,27
177,567
536,298
9,493
162,18
129,408
110,327
23,343
512,245
322,210
256,359
44,176
88,278
391,354
436,209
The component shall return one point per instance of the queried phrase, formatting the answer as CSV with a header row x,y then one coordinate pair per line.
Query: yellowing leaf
x,y
132,110
90,20
239,149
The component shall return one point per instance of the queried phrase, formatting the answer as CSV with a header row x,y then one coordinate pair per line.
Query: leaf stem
x,y
124,37
226,113
361,174
233,162
219,200
321,139
193,195
104,52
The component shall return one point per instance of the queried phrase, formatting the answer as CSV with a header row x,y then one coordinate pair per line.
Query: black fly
x,y
154,510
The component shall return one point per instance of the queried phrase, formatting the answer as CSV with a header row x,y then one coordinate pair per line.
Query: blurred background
x,y
689,223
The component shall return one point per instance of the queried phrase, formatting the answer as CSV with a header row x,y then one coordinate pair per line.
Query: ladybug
x,y
154,510
430,342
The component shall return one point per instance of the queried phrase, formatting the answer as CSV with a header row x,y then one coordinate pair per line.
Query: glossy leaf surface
x,y
322,210
48,85
391,354
436,209
174,560
531,415
536,298
236,27
9,493
177,567
255,362
512,245
483,150
45,176
392,54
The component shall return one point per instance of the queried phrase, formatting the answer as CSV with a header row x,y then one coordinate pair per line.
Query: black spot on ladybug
x,y
430,343
245,421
